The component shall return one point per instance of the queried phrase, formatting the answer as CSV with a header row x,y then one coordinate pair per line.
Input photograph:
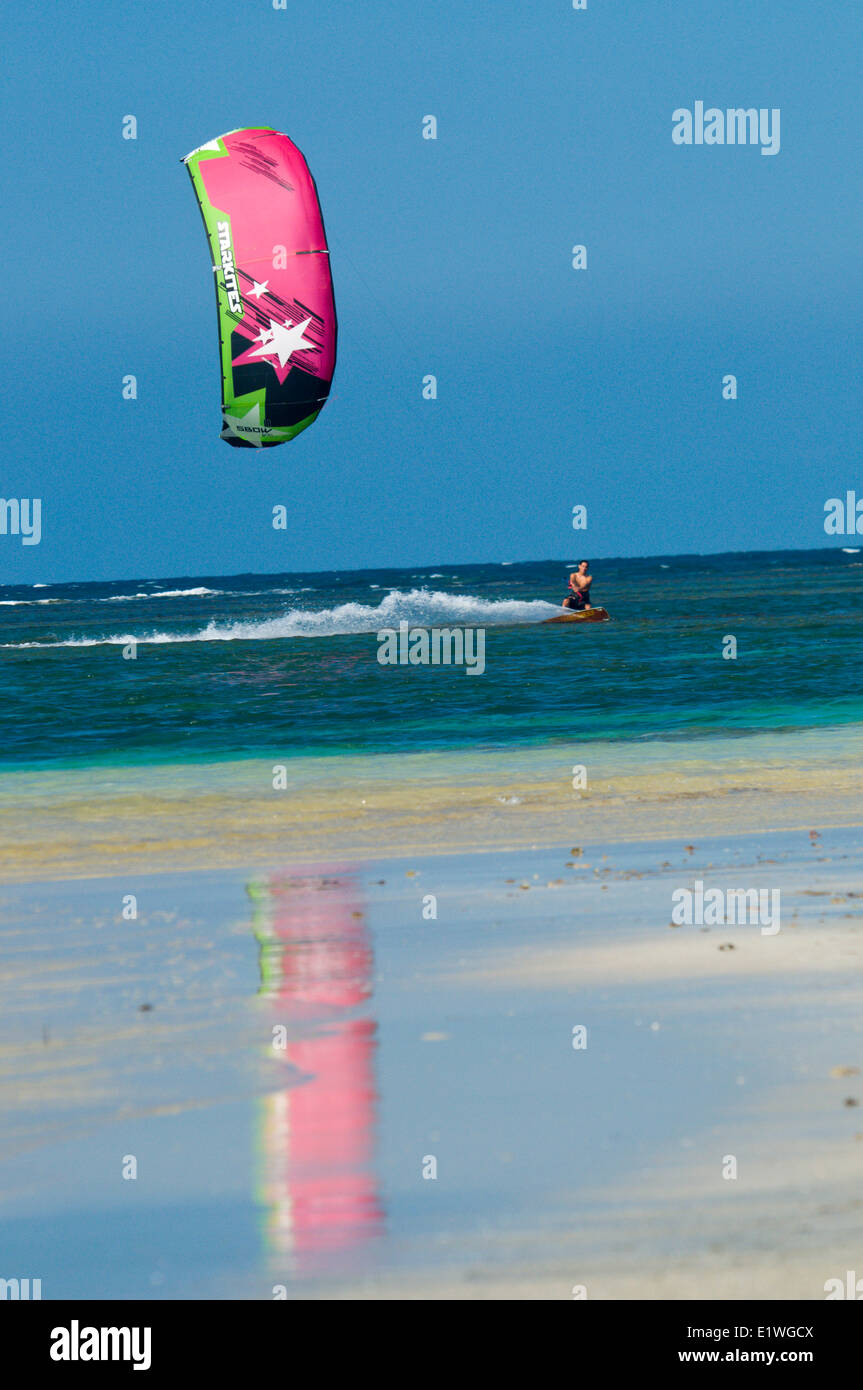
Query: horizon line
x,y
432,564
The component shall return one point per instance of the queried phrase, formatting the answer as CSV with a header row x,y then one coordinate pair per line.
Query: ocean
x,y
233,667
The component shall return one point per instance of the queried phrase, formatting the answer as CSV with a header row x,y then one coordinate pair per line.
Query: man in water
x,y
579,584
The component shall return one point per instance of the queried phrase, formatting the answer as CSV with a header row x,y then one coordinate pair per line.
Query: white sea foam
x,y
183,593
419,607
125,598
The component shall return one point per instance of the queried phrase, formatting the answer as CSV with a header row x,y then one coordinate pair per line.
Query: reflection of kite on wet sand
x,y
317,1137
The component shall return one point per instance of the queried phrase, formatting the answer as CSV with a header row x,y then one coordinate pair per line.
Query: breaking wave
x,y
163,593
419,607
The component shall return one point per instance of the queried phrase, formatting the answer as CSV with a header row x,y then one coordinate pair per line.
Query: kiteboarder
x,y
579,585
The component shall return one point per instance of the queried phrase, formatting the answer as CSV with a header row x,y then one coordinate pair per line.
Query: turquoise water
x,y
243,666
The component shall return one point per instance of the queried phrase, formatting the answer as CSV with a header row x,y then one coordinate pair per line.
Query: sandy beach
x,y
442,1045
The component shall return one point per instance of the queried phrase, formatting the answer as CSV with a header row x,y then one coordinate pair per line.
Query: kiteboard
x,y
579,615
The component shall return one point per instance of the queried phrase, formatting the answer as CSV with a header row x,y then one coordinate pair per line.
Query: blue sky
x,y
450,257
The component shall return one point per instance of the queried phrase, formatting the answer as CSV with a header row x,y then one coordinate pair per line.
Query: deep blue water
x,y
239,666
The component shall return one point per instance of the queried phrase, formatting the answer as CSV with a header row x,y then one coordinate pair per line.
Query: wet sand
x,y
76,823
426,1007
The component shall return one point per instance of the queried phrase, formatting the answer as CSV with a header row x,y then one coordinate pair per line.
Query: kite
x,y
274,291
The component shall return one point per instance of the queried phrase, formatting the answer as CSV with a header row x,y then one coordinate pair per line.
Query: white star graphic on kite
x,y
258,289
282,340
